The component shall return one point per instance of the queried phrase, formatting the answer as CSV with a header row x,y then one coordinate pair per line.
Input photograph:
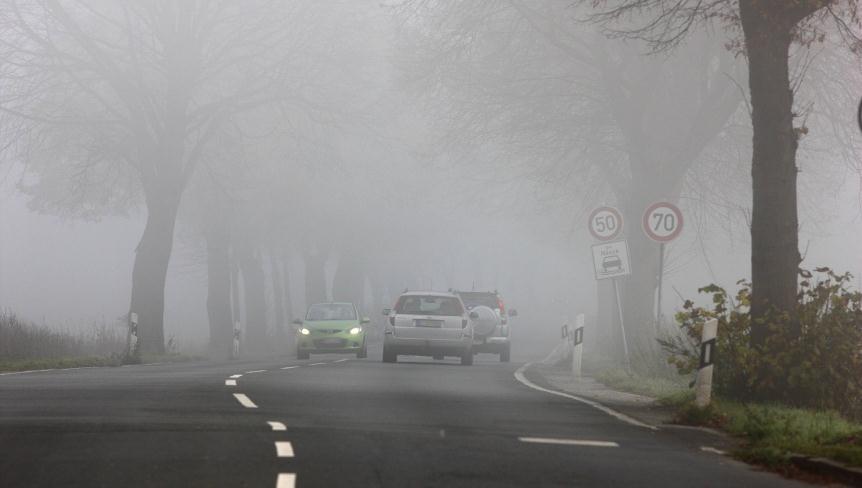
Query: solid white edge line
x,y
277,426
316,364
256,371
289,367
229,382
342,360
235,376
244,400
519,375
51,369
284,449
286,480
567,442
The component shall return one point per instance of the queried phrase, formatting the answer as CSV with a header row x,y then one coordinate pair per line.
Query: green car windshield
x,y
331,311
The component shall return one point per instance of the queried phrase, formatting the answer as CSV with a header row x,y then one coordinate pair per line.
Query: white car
x,y
424,323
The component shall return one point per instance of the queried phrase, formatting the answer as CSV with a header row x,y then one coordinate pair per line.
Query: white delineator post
x,y
237,331
132,338
703,384
578,345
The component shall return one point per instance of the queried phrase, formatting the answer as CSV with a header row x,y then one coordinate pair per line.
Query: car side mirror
x,y
387,311
513,312
474,315
365,320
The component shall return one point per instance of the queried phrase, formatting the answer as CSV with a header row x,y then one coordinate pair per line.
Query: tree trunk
x,y
254,286
639,289
349,283
608,340
774,223
315,278
219,289
288,298
152,257
235,300
277,297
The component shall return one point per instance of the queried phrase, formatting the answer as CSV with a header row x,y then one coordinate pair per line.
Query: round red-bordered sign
x,y
662,222
606,223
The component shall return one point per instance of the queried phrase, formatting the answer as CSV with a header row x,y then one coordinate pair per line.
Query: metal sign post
x,y
610,261
662,222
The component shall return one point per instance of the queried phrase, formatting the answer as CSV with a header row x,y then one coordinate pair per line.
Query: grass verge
x,y
769,434
668,391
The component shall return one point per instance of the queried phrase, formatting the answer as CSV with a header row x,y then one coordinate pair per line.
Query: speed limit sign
x,y
606,223
662,222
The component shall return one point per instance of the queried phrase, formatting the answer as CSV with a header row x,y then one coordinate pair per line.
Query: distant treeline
x,y
22,340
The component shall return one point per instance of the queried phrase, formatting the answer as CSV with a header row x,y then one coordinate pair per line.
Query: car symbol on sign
x,y
610,263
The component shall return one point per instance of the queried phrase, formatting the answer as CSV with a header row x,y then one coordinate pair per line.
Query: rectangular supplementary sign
x,y
611,259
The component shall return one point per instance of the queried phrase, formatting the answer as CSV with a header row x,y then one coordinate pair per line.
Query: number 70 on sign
x,y
662,222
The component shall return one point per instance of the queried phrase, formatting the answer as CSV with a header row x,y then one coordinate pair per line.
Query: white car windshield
x,y
429,305
331,311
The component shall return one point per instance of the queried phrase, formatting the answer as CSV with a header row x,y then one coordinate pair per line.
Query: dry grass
x,y
24,343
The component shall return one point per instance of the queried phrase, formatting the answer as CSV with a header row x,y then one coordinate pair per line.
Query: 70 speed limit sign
x,y
662,222
606,223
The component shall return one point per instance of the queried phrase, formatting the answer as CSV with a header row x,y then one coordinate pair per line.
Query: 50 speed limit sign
x,y
662,222
606,223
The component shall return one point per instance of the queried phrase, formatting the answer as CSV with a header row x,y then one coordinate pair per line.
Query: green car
x,y
331,328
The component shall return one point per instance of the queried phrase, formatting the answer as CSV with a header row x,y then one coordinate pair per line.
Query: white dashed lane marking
x,y
712,450
284,449
567,442
256,371
286,480
229,382
244,400
342,360
277,426
316,364
235,376
289,367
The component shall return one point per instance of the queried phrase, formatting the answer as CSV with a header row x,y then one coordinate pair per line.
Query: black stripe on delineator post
x,y
707,353
579,336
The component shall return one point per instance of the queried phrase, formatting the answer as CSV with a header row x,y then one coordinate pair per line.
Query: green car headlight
x,y
304,331
355,330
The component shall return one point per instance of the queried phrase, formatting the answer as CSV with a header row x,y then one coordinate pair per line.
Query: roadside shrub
x,y
811,358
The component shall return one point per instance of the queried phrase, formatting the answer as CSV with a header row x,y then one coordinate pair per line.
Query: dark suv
x,y
492,339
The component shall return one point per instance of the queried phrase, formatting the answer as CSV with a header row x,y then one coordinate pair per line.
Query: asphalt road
x,y
346,422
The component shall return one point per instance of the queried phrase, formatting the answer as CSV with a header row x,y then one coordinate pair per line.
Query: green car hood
x,y
330,324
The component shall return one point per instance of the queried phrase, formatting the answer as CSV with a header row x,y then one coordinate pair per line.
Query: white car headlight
x,y
355,330
304,331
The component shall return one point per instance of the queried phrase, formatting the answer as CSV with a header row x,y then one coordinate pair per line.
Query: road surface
x,y
331,421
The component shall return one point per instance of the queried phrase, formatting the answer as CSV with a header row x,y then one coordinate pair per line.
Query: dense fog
x,y
348,150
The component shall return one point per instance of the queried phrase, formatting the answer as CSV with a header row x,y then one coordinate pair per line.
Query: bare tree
x,y
585,119
120,100
769,28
